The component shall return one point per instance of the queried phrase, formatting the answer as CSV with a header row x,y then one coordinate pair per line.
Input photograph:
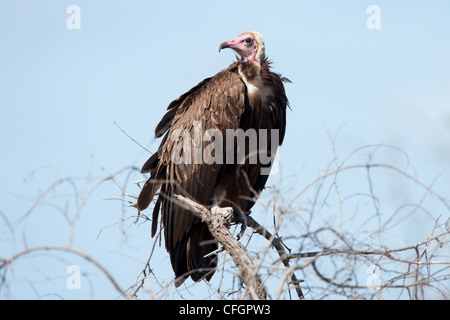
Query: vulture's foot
x,y
226,213
232,216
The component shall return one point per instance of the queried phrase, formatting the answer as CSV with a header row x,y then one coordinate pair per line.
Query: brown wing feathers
x,y
186,238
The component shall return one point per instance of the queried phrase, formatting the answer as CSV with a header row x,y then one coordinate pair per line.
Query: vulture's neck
x,y
249,70
252,75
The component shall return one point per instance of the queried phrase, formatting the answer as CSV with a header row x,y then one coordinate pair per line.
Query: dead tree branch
x,y
276,242
4,263
218,221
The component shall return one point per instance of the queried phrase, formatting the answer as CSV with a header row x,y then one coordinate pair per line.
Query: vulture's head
x,y
249,45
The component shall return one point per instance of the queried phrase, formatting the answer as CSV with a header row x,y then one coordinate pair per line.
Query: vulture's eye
x,y
248,41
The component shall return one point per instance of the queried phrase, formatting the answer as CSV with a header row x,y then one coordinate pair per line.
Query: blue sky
x,y
62,90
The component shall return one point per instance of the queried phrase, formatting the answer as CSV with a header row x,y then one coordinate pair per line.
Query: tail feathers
x,y
188,258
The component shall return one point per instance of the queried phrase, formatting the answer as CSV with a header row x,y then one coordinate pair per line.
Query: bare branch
x,y
4,263
218,220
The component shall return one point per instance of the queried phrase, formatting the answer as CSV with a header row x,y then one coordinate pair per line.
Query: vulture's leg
x,y
243,227
240,217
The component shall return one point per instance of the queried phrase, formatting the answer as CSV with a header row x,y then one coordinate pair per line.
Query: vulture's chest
x,y
257,89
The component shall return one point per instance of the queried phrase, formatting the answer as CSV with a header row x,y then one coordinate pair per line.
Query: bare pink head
x,y
249,45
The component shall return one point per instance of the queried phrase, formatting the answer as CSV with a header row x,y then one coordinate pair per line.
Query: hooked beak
x,y
232,44
224,45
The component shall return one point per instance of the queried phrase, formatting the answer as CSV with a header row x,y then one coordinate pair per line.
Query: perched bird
x,y
248,98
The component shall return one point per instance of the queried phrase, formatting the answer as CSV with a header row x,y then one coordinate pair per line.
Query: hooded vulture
x,y
198,157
